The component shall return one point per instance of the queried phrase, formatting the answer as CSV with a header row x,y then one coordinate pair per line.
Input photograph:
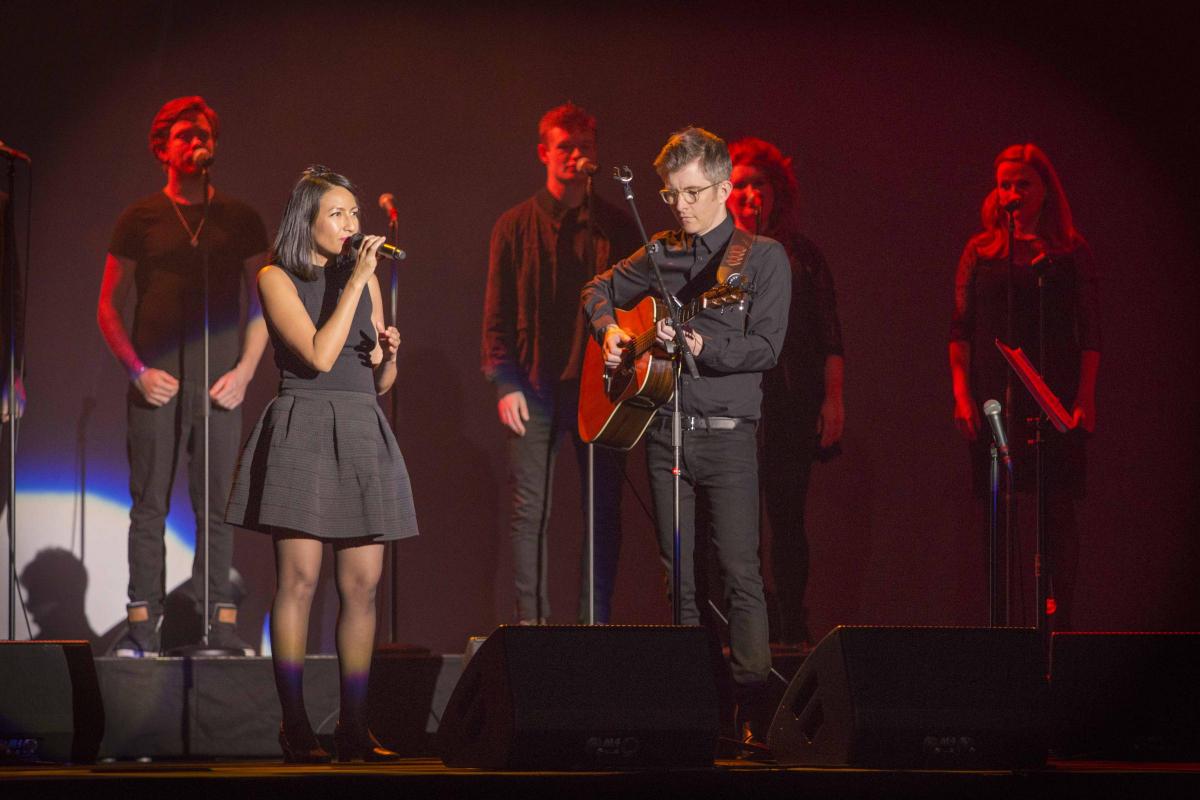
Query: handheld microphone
x,y
991,410
14,154
586,166
387,202
202,157
386,250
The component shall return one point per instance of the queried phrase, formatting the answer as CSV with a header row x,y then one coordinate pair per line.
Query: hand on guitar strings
x,y
666,334
615,339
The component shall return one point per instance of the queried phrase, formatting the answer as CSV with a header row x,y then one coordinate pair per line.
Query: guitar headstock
x,y
731,292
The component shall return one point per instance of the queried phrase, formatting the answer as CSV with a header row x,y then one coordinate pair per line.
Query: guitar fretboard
x,y
645,340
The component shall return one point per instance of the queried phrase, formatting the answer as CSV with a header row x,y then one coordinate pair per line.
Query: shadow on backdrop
x,y
55,584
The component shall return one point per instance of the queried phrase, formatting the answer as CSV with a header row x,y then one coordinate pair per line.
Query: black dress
x,y
1071,326
322,459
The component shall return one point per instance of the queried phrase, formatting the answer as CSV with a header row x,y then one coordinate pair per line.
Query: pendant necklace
x,y
193,238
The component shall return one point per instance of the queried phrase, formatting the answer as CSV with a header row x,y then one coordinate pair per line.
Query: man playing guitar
x,y
720,411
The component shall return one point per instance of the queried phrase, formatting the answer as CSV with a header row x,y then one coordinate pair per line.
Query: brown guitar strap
x,y
736,254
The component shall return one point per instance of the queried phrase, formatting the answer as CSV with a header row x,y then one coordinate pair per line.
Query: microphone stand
x,y
591,448
624,175
206,618
10,368
1043,565
204,649
1010,532
994,619
393,560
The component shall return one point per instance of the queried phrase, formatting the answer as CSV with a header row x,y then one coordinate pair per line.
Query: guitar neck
x,y
645,340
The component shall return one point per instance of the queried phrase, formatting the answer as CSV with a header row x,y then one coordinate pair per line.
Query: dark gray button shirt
x,y
738,345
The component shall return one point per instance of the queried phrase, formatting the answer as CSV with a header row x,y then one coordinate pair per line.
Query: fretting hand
x,y
666,333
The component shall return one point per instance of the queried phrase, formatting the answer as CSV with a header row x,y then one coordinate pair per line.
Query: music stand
x,y
1054,411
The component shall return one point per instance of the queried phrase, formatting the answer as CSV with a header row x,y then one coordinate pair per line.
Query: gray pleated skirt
x,y
323,463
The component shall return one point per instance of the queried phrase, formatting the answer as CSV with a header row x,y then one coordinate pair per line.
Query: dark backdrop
x,y
893,117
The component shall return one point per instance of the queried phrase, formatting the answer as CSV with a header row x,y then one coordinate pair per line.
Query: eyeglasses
x,y
669,196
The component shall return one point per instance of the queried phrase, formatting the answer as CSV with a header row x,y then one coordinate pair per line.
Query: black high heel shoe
x,y
359,744
302,747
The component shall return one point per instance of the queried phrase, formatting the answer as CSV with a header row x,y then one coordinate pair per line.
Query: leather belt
x,y
689,423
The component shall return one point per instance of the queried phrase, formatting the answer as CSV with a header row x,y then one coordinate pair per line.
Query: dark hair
x,y
570,117
1056,225
293,246
175,110
686,146
776,168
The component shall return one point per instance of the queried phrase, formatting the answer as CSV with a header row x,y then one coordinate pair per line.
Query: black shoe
x,y
752,716
141,639
359,744
302,747
224,635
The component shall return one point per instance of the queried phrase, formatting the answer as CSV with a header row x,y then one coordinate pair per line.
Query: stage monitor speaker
x,y
50,706
571,697
1125,696
907,697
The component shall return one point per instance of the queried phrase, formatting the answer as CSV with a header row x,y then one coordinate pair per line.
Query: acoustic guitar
x,y
616,405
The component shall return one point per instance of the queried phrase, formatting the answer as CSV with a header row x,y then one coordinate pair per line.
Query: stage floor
x,y
425,777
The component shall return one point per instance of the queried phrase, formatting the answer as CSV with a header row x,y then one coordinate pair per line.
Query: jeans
x,y
153,442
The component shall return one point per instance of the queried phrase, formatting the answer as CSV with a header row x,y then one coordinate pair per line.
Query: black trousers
x,y
154,441
788,449
719,471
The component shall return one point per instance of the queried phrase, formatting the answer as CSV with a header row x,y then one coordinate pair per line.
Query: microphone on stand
x,y
991,410
14,154
1011,205
387,202
586,166
386,250
202,157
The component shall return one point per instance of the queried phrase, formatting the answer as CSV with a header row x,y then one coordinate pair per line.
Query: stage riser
x,y
168,708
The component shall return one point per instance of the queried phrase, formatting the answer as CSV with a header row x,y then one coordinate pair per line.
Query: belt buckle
x,y
688,423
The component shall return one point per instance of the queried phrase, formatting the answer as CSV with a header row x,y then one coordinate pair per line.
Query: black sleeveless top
x,y
352,370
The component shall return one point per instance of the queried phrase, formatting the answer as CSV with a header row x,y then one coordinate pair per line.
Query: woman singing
x,y
321,464
1044,240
